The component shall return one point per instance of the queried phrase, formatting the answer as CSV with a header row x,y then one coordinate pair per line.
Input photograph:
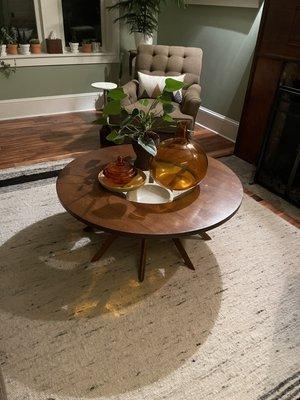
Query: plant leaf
x,y
168,118
168,108
144,102
172,85
135,112
147,144
116,94
112,108
112,135
165,97
101,121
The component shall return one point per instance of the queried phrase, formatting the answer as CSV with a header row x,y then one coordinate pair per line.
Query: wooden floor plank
x,y
54,137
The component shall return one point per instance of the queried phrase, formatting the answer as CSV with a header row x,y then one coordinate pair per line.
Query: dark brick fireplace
x,y
279,163
269,131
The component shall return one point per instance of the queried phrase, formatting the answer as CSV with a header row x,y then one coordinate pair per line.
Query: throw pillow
x,y
151,86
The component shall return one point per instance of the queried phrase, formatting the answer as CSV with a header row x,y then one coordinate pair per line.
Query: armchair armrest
x,y
192,101
130,89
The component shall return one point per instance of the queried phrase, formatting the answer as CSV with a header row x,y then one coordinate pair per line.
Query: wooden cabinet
x,y
278,42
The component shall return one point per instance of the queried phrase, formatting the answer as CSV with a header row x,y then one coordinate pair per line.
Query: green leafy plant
x,y
86,41
141,15
34,41
8,35
23,37
137,125
12,35
74,38
3,35
6,69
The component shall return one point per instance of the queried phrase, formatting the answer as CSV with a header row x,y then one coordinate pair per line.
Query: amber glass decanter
x,y
180,163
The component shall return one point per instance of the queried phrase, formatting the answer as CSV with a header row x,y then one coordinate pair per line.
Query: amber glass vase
x,y
180,163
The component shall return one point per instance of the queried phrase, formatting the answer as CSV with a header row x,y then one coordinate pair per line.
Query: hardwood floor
x,y
39,139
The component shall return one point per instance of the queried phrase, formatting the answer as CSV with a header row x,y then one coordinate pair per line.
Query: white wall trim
x,y
218,123
37,106
47,105
227,3
34,60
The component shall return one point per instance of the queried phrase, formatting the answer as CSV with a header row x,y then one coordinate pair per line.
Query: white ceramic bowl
x,y
150,193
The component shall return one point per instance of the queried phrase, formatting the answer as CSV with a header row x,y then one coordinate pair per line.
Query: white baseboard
x,y
37,106
218,123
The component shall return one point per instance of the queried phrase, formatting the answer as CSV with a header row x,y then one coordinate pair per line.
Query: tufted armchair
x,y
166,61
169,61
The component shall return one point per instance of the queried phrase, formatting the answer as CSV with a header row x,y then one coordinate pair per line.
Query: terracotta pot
x,y
12,49
36,48
143,158
86,48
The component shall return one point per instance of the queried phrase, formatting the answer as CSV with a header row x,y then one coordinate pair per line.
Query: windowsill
x,y
228,3
66,58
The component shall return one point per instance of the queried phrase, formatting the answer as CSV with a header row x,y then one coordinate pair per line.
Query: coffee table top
x,y
207,206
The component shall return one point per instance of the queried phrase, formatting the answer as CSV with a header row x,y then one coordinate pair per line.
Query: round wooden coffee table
x,y
207,206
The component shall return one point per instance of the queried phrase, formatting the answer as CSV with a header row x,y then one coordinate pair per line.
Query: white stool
x,y
105,87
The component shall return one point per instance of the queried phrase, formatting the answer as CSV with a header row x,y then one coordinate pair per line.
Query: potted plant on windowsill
x,y
12,41
136,127
74,44
86,46
35,46
3,41
24,45
141,16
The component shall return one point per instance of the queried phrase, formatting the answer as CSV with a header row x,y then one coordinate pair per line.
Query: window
x,y
19,14
69,19
82,20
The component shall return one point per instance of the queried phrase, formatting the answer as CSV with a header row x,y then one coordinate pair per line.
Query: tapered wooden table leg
x,y
204,236
142,261
105,245
183,253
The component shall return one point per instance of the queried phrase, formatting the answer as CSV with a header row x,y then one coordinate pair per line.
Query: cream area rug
x,y
71,330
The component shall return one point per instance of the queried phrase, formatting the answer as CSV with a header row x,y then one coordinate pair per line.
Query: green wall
x,y
227,36
63,79
55,80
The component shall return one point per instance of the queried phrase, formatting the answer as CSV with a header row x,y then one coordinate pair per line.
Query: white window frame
x,y
49,17
227,3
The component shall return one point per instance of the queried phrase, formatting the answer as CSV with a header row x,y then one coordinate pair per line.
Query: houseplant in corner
x,y
136,127
141,16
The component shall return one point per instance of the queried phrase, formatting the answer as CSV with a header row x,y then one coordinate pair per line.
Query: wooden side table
x,y
105,87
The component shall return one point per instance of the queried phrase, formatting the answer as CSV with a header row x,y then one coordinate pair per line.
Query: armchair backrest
x,y
170,60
